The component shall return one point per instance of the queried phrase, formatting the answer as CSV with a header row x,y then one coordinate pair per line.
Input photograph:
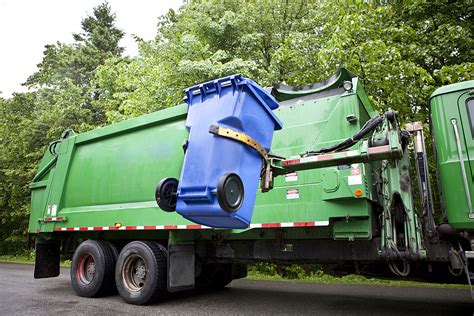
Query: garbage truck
x,y
187,196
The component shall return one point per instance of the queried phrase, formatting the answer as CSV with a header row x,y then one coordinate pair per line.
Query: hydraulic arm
x,y
387,149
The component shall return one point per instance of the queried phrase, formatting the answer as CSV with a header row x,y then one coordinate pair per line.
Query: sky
x,y
27,26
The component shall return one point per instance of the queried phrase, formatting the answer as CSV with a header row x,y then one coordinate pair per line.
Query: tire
x,y
141,272
115,252
165,194
230,192
92,269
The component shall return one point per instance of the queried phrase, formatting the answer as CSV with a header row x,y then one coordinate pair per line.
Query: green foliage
x,y
63,98
402,52
64,63
263,268
315,274
16,245
287,271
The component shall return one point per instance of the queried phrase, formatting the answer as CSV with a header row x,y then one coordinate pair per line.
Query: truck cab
x,y
452,126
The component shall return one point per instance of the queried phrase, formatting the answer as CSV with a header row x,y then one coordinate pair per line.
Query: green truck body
x,y
108,176
343,206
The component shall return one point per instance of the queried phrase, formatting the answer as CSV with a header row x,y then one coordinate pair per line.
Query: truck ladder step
x,y
466,255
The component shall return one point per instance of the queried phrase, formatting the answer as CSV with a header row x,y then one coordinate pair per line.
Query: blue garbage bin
x,y
219,178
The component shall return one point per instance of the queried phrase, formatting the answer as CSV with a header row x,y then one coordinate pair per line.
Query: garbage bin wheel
x,y
166,194
230,192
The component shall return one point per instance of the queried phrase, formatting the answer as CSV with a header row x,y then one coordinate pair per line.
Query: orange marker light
x,y
358,193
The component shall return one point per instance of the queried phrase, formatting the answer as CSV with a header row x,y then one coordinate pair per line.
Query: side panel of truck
x,y
106,179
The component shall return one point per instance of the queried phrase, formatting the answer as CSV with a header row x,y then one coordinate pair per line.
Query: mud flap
x,y
181,266
47,259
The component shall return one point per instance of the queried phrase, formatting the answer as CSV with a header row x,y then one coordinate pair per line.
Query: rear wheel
x,y
114,249
92,269
141,273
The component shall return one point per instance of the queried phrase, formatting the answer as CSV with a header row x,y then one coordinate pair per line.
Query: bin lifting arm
x,y
387,145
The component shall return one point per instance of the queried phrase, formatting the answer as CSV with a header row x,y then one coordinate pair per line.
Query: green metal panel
x,y
321,194
447,105
109,175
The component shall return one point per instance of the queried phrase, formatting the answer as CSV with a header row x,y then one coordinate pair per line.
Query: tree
x,y
401,52
62,98
76,62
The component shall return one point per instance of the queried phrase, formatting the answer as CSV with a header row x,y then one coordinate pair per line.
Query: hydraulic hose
x,y
368,127
53,146
396,271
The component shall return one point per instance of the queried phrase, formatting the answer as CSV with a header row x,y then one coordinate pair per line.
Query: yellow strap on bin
x,y
240,137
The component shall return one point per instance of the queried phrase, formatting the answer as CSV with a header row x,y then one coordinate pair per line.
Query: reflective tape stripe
x,y
192,226
52,219
271,225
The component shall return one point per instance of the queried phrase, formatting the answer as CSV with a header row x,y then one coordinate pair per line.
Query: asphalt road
x,y
20,294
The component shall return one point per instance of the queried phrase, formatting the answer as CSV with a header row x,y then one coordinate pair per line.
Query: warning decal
x,y
354,180
292,194
292,176
355,169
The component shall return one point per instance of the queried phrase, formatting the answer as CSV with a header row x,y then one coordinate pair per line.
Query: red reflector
x,y
325,157
271,225
290,162
303,224
193,226
378,150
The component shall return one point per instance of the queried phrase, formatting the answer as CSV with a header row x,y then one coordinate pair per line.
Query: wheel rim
x,y
230,192
86,269
169,193
134,273
166,194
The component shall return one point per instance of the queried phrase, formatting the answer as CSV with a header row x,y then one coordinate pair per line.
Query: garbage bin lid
x,y
268,102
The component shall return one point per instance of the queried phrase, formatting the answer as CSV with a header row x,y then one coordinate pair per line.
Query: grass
x,y
17,259
351,279
28,259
